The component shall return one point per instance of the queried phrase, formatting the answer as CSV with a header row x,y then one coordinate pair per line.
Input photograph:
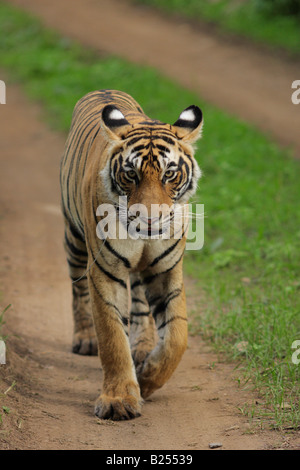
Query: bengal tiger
x,y
114,150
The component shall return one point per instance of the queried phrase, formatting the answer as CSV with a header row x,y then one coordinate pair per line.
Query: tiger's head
x,y
152,164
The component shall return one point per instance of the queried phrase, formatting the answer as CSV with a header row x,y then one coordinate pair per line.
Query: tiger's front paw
x,y
117,408
85,342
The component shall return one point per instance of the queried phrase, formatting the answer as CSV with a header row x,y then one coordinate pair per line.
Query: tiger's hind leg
x,y
84,337
142,328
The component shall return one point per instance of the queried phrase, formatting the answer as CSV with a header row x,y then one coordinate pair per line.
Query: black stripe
x,y
153,300
75,251
138,301
73,265
136,132
140,147
163,148
114,252
149,279
108,303
107,273
140,314
171,319
161,307
75,279
76,233
136,284
165,253
134,140
84,294
167,139
111,276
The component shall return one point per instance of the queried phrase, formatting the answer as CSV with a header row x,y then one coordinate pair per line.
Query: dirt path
x,y
240,79
51,406
52,403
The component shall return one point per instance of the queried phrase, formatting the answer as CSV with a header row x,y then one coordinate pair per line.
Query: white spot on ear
x,y
187,115
116,114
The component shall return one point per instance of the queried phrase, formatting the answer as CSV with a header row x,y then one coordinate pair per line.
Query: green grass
x,y
244,18
249,266
3,408
2,323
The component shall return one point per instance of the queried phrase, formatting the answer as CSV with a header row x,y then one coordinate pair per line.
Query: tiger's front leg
x,y
120,398
166,297
141,336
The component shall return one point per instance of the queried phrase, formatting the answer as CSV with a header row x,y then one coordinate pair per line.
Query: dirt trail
x,y
238,78
51,406
52,403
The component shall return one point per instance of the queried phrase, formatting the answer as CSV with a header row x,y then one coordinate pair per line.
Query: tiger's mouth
x,y
151,231
161,222
145,228
120,221
153,228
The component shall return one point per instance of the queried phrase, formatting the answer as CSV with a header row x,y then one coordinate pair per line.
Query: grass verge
x,y
2,322
239,17
249,266
3,409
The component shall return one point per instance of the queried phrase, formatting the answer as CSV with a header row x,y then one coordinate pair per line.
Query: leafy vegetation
x,y
249,266
273,22
279,7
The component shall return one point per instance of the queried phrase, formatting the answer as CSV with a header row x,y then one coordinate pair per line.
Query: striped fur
x,y
114,149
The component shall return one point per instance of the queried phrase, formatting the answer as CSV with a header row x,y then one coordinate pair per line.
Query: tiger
x,y
129,304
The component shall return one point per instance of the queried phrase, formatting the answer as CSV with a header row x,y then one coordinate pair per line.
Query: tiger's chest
x,y
142,255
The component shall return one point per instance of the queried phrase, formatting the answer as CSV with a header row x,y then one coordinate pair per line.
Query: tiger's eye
x,y
169,173
131,173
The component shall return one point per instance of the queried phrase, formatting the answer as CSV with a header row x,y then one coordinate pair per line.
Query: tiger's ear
x,y
188,126
115,123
